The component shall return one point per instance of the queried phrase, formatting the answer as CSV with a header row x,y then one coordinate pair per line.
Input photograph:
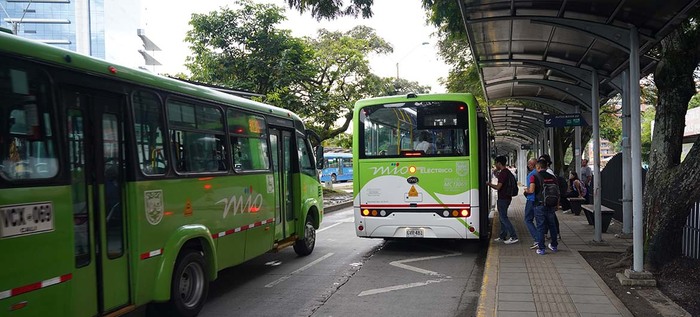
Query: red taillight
x,y
360,228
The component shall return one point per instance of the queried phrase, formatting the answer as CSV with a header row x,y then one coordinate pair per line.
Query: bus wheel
x,y
305,245
190,286
334,178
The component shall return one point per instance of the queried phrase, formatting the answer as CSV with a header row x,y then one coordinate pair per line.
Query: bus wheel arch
x,y
195,237
189,285
306,243
334,178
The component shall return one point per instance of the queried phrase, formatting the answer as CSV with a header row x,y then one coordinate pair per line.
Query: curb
x,y
336,207
487,296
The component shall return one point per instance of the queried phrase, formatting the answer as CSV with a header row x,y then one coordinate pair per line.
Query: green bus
x,y
420,165
120,188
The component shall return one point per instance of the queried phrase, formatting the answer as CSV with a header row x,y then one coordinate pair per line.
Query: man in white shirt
x,y
424,145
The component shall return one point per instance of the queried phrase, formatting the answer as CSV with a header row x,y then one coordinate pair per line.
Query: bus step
x,y
121,311
284,243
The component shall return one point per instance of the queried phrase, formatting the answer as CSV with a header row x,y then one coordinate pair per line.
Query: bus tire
x,y
305,245
189,286
334,179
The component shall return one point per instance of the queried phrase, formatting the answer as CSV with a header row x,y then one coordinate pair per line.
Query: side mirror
x,y
319,157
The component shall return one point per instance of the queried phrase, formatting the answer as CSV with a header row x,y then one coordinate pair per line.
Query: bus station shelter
x,y
552,63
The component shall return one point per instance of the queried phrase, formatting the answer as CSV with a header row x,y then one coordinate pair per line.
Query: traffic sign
x,y
564,120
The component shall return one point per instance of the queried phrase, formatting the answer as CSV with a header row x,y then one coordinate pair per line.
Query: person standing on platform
x,y
587,179
545,217
530,202
503,201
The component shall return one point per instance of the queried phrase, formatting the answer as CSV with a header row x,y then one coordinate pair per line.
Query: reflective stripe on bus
x,y
151,254
243,228
35,286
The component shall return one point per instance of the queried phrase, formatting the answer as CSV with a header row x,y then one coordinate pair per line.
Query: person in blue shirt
x,y
530,203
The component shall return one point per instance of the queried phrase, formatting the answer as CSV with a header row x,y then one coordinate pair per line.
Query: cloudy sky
x,y
400,22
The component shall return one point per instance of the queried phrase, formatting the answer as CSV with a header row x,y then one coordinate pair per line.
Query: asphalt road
x,y
350,276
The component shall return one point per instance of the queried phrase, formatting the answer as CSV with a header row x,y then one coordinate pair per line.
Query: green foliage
x,y
647,118
241,49
331,9
694,102
342,140
610,123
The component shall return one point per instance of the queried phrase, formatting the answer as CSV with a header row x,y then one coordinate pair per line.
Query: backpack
x,y
548,193
512,184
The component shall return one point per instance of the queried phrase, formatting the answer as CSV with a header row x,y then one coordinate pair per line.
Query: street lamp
x,y
409,53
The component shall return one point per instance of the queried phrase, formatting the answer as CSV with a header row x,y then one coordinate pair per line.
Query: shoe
x,y
553,248
511,241
567,212
540,251
498,240
534,246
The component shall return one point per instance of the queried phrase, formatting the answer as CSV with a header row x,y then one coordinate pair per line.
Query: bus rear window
x,y
426,129
27,139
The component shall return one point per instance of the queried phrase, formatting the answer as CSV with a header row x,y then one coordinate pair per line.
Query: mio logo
x,y
383,170
238,204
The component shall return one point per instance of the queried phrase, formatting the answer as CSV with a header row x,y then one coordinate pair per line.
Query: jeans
x,y
530,218
546,219
507,228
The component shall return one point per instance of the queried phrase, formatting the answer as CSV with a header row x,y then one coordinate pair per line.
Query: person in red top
x,y
504,198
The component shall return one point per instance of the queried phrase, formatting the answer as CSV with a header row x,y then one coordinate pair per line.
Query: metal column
x,y
577,146
595,104
626,158
636,153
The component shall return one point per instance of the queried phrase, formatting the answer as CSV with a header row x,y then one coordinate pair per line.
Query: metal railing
x,y
691,233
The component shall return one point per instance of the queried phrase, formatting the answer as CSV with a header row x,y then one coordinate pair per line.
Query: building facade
x,y
105,29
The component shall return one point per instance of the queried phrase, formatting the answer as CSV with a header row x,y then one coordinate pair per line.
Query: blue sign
x,y
564,120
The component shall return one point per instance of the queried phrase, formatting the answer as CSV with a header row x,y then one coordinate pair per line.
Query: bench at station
x,y
576,203
605,212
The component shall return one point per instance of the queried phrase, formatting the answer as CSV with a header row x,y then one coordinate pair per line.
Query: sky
x,y
399,22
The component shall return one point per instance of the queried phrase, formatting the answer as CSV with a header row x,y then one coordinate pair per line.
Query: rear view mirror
x,y
319,157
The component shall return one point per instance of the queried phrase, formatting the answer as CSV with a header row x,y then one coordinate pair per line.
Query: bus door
x,y
281,142
96,156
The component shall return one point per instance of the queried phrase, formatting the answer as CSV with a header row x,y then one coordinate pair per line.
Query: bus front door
x,y
281,142
96,156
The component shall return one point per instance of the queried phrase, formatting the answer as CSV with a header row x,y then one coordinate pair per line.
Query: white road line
x,y
400,287
345,220
400,264
299,270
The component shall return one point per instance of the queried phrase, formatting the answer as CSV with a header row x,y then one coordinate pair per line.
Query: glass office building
x,y
80,25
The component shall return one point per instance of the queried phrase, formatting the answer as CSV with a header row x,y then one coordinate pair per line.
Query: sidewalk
x,y
518,282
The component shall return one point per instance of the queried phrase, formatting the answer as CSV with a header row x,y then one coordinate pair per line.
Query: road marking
x,y
341,221
400,287
401,264
299,270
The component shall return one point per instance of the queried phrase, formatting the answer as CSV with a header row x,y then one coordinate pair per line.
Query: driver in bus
x,y
424,145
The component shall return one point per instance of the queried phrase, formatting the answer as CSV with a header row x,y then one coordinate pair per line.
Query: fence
x,y
691,233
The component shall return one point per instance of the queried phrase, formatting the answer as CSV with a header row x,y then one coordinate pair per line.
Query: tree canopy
x,y
318,78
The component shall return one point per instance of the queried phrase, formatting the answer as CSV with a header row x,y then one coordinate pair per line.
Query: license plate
x,y
25,219
414,233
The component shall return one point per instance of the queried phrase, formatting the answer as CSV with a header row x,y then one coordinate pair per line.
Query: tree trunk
x,y
671,186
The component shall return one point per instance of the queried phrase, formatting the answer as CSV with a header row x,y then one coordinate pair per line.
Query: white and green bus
x,y
420,165
120,188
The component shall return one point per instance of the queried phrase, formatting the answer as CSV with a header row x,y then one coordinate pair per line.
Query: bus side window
x,y
305,157
148,129
248,134
197,134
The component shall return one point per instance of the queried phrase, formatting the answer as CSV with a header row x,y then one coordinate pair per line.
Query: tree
x,y
343,76
242,49
671,185
331,9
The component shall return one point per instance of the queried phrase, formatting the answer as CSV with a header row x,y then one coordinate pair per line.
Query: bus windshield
x,y
433,128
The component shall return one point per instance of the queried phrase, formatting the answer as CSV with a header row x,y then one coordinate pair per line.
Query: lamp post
x,y
409,53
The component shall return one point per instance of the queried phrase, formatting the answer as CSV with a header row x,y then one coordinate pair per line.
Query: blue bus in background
x,y
338,167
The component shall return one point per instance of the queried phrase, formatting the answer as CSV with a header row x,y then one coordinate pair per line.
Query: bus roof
x,y
466,97
337,154
45,53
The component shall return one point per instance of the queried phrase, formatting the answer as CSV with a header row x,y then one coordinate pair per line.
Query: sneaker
x,y
511,241
534,246
498,239
551,247
540,251
566,212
